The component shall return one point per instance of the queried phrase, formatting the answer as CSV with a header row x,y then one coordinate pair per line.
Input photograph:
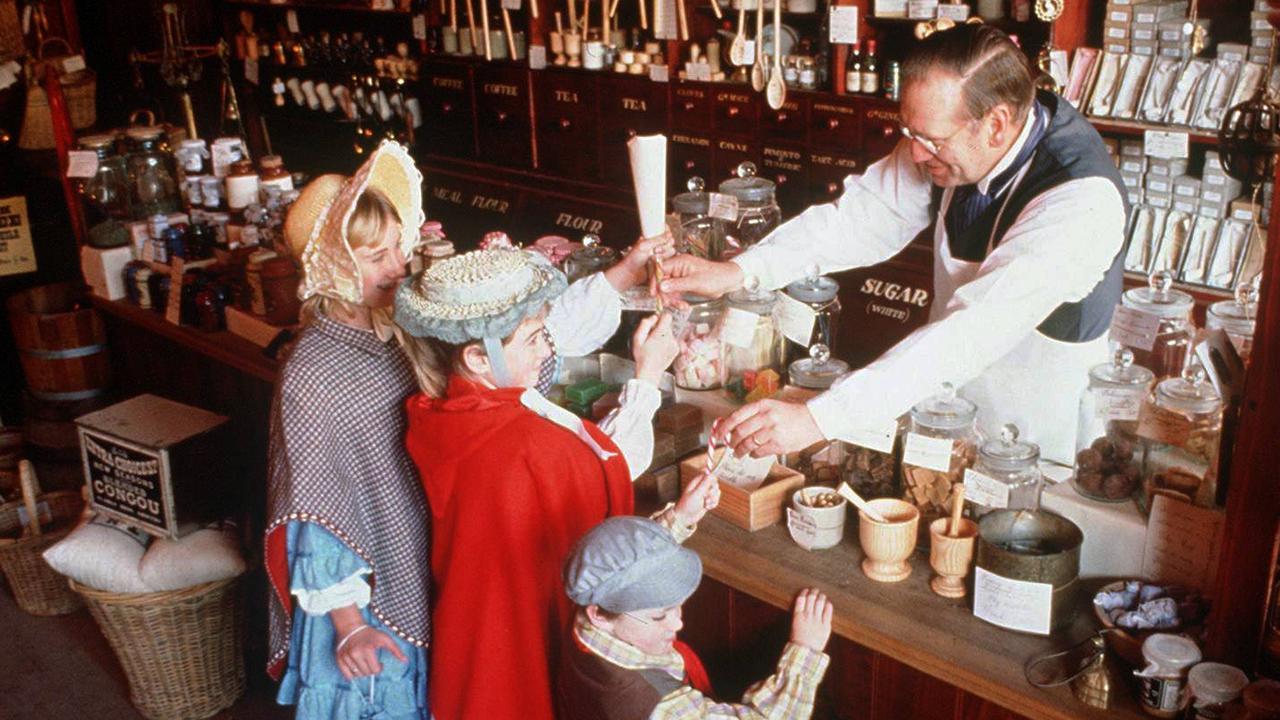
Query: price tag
x,y
291,19
985,490
795,319
723,207
1113,404
926,452
954,11
82,164
73,64
744,472
1166,144
844,24
664,23
877,439
419,27
698,72
1134,328
1013,604
1163,425
803,529
537,57
739,327
659,73
251,72
173,309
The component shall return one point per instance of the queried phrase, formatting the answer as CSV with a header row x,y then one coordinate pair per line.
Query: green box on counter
x,y
155,464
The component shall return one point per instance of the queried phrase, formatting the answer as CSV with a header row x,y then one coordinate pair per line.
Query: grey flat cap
x,y
631,563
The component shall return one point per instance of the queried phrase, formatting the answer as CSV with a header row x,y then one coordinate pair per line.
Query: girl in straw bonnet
x,y
347,527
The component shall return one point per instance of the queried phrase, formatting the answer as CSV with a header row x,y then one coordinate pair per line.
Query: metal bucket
x,y
1034,546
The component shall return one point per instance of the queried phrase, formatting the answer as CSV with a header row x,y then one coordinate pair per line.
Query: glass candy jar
x,y
152,187
697,364
751,344
105,195
758,211
941,442
1006,475
1181,429
591,257
1174,334
818,371
1238,318
700,234
822,296
1108,453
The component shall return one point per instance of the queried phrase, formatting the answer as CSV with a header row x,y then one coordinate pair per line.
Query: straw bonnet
x,y
477,295
316,227
629,563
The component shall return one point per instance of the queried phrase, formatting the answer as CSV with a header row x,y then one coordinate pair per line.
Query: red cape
x,y
510,493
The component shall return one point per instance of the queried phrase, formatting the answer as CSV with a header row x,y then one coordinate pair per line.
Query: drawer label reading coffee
x,y
502,89
450,83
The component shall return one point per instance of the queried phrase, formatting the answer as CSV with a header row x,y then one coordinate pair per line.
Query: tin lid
x,y
819,370
695,202
1008,452
814,288
1159,298
1122,371
1170,652
751,298
747,187
944,410
1212,682
1190,393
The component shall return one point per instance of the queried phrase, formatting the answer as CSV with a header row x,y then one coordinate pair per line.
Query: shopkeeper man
x,y
1029,218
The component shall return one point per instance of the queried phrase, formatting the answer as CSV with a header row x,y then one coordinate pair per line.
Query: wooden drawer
x,y
568,133
503,126
790,124
736,112
629,106
834,125
448,111
827,172
548,214
727,155
691,107
468,208
881,129
688,155
786,167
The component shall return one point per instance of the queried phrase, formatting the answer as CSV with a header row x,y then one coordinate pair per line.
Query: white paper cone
x,y
649,173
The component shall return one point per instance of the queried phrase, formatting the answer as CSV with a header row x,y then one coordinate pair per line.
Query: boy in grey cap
x,y
629,577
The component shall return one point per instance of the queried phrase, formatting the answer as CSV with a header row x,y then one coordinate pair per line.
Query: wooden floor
x,y
61,668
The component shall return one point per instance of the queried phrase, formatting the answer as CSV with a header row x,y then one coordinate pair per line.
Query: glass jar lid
x,y
944,410
751,298
815,289
695,202
144,133
1008,452
1159,298
702,303
819,370
1170,652
1122,371
747,187
97,142
592,252
1241,314
1216,682
1190,393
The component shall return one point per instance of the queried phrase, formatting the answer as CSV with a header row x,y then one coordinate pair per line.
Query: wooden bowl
x,y
1127,644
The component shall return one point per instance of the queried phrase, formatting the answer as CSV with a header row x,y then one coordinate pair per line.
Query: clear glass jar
x,y
152,187
105,196
193,157
940,443
1175,333
697,365
758,211
750,344
272,173
1238,318
1006,475
1213,687
818,371
822,295
1108,452
1181,430
591,257
700,234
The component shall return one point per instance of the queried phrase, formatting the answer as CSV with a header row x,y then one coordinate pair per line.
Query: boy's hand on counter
x,y
633,268
769,427
700,496
654,346
689,274
811,620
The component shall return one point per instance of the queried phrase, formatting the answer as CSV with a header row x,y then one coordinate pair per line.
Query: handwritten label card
x,y
82,164
744,472
878,439
1166,144
1163,425
926,452
73,64
1182,543
1013,604
739,327
985,490
1112,404
1134,328
723,207
795,319
844,24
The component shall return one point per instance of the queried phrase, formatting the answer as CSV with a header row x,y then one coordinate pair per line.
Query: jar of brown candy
x,y
1108,453
280,290
1181,429
1170,310
940,443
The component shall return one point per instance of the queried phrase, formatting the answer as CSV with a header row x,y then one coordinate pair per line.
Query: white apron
x,y
1037,385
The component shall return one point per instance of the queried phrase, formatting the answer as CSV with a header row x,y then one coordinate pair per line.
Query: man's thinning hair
x,y
992,68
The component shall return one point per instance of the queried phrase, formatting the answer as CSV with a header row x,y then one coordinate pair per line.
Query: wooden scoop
x,y
738,48
757,69
776,92
848,494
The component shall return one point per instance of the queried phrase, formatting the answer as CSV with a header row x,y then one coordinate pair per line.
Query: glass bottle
x,y
152,187
1181,430
700,234
1006,475
758,211
751,344
1238,318
870,70
697,365
105,196
1108,452
822,295
1175,333
940,443
853,71
590,258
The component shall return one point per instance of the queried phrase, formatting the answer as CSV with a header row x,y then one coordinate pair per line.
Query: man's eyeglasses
x,y
933,147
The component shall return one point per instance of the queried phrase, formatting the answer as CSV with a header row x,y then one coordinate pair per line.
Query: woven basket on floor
x,y
37,588
181,650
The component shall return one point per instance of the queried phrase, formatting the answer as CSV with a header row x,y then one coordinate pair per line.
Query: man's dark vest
x,y
1071,149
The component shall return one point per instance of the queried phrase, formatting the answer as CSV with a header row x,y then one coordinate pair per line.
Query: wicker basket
x,y
37,588
79,89
181,650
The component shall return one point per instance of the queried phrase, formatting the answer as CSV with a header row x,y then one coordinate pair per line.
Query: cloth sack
x,y
209,554
103,554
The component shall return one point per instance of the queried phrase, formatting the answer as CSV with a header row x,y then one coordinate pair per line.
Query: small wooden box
x,y
749,510
155,464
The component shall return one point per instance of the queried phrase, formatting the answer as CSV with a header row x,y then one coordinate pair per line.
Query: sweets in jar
x,y
1108,453
941,442
1166,352
697,364
1181,430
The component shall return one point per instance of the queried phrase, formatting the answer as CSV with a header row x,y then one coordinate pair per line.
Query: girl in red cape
x,y
512,480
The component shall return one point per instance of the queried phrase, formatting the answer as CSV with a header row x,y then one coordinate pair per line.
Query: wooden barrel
x,y
61,342
51,440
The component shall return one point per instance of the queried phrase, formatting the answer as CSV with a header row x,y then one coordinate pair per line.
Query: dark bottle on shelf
x,y
870,70
853,71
